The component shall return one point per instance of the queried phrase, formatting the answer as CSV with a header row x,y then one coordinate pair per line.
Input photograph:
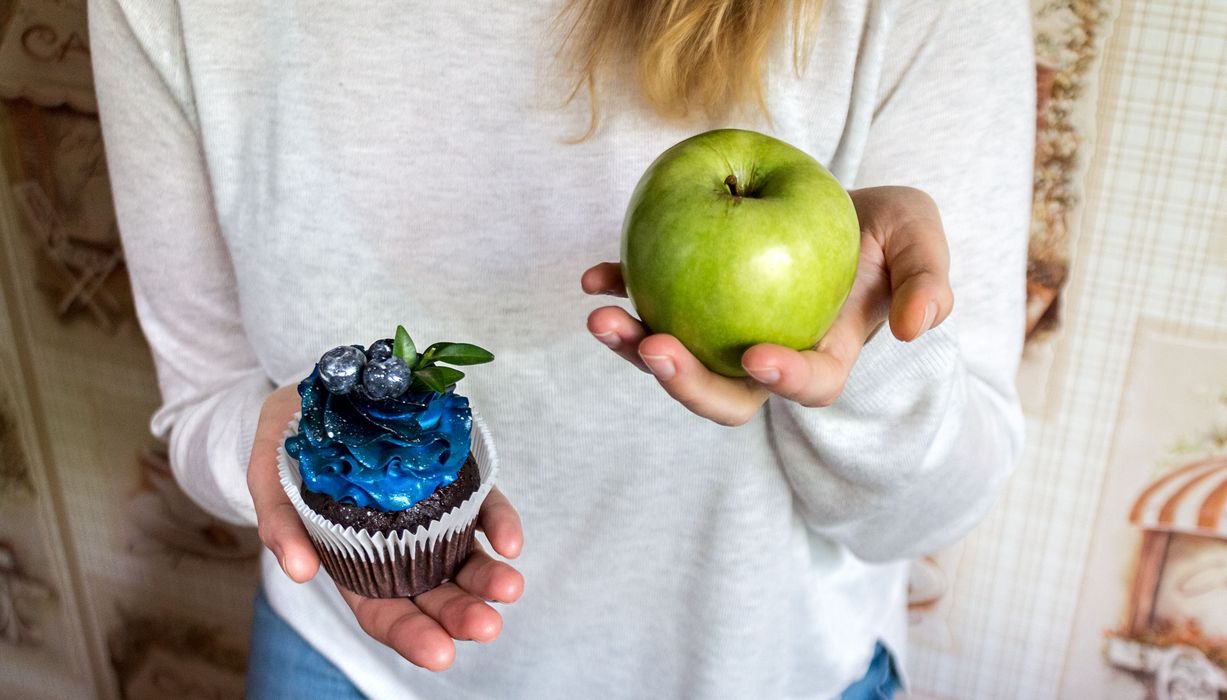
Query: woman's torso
x,y
407,164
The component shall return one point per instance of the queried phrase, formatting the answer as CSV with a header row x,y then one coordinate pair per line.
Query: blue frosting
x,y
386,454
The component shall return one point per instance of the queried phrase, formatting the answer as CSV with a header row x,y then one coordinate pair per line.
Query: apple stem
x,y
731,183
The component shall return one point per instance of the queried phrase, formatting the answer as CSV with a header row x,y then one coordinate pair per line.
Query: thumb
x,y
278,523
906,224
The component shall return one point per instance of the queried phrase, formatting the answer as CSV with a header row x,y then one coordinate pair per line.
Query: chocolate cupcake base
x,y
400,576
392,555
405,577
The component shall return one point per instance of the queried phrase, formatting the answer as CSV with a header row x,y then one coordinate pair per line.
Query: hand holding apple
x,y
902,276
733,238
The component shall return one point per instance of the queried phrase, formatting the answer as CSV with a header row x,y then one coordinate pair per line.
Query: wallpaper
x,y
1095,577
112,582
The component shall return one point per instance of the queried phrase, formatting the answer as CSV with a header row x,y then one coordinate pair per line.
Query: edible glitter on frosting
x,y
386,454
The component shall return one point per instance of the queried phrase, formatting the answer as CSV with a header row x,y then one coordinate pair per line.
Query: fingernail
x,y
661,366
930,314
610,339
765,375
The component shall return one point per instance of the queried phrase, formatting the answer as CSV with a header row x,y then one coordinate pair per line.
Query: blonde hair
x,y
689,56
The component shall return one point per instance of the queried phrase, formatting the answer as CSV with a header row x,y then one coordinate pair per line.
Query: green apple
x,y
734,238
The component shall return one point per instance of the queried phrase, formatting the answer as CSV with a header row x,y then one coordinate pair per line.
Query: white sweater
x,y
291,176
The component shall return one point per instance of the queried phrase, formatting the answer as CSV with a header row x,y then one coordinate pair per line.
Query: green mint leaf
x,y
437,379
402,346
461,354
428,356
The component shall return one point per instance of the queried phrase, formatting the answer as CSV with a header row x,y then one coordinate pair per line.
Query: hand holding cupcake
x,y
389,472
388,466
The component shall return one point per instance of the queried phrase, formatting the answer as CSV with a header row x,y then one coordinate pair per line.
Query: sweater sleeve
x,y
184,286
922,440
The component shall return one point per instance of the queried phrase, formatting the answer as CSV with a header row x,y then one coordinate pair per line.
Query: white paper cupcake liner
x,y
403,563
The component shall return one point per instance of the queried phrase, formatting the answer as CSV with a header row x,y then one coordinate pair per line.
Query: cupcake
x,y
387,465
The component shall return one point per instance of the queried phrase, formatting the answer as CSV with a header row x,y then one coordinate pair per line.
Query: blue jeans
x,y
283,665
880,681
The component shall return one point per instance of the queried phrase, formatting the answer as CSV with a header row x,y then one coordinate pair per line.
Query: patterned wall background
x,y
1102,574
112,583
1042,596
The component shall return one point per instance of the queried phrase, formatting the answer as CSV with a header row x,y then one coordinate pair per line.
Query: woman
x,y
292,176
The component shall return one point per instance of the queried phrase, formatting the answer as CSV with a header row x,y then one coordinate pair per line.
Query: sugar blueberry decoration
x,y
386,379
341,368
393,366
380,350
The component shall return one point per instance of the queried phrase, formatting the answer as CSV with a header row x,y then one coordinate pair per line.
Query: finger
x,y
501,523
725,400
278,524
809,377
400,624
812,377
605,278
817,377
919,263
490,579
282,531
463,615
618,331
